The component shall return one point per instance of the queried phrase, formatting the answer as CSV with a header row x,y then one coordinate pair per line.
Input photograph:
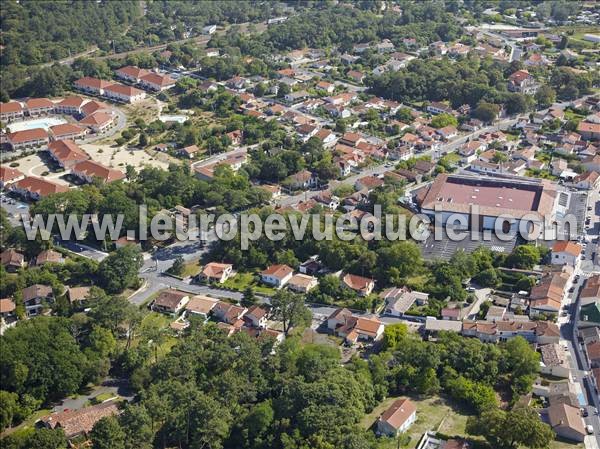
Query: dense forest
x,y
215,392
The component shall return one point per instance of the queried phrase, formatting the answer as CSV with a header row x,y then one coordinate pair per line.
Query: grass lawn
x,y
241,281
432,413
191,269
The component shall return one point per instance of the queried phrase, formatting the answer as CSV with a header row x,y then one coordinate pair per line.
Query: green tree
x,y
520,427
178,266
248,298
289,308
545,96
107,434
442,120
486,112
120,269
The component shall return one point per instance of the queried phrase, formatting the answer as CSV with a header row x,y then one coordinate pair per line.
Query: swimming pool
x,y
173,118
43,122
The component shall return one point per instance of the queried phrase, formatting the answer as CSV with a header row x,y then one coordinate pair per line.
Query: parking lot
x,y
14,207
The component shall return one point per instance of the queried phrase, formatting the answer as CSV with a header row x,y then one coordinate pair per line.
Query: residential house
x,y
302,283
554,361
216,272
356,76
436,108
125,94
326,136
447,132
157,82
565,252
71,105
90,85
98,122
35,188
13,110
7,314
397,418
589,131
368,183
591,290
361,285
592,350
256,316
276,275
303,180
523,82
229,313
170,301
588,180
188,152
28,138
399,300
38,106
48,256
80,422
325,86
200,305
77,295
131,73
566,421
9,175
12,260
87,171
546,297
592,163
36,297
541,332
352,328
306,131
67,131
66,153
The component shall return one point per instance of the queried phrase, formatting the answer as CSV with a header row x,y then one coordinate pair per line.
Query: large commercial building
x,y
493,196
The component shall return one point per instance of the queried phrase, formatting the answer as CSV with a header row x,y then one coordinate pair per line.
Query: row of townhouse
x,y
114,91
35,107
146,79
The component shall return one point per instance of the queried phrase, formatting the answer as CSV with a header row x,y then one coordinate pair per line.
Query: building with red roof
x,y
71,105
8,175
98,121
36,188
39,106
67,131
91,85
66,153
11,111
28,138
156,82
125,94
131,73
87,170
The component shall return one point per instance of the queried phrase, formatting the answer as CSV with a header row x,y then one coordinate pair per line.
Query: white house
x,y
398,418
565,252
277,275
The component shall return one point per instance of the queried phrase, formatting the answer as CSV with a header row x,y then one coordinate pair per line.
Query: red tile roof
x,y
398,413
278,271
94,83
132,71
40,186
94,169
73,102
121,89
66,129
8,174
159,80
28,135
11,106
566,246
97,118
33,103
66,151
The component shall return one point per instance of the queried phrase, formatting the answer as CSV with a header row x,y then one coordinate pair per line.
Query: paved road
x,y
568,327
